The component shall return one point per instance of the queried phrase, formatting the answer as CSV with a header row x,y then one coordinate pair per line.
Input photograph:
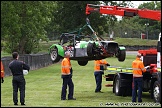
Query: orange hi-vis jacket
x,y
65,66
138,68
99,63
2,70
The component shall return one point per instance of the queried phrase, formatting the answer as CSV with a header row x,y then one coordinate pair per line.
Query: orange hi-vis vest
x,y
2,70
138,68
65,66
99,63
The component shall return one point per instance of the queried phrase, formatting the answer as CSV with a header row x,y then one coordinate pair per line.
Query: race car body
x,y
85,48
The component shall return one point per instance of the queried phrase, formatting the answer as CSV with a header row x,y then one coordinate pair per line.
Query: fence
x,y
35,61
137,47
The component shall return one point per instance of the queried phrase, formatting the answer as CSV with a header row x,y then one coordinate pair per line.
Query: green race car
x,y
85,48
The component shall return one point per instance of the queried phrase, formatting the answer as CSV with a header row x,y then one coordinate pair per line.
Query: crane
x,y
122,81
124,11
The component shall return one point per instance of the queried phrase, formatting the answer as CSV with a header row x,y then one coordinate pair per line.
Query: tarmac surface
x,y
131,52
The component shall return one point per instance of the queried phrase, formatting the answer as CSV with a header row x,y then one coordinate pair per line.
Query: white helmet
x,y
25,72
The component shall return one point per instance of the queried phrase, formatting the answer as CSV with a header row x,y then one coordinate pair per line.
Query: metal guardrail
x,y
137,47
35,61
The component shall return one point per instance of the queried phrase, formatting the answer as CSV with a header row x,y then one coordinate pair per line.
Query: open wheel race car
x,y
85,48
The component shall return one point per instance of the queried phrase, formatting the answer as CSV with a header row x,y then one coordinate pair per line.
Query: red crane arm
x,y
124,11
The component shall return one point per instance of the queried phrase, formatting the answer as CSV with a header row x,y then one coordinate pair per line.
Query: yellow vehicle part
x,y
118,69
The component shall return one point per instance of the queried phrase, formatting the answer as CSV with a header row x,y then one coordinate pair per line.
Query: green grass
x,y
43,87
4,54
45,45
136,41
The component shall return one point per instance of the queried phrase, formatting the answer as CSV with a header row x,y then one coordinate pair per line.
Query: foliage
x,y
153,27
133,27
70,15
23,24
128,28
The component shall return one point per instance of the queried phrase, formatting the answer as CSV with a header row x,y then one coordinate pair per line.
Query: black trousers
x,y
18,82
67,81
137,85
98,78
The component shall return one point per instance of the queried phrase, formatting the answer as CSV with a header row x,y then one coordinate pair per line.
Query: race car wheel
x,y
82,63
122,55
90,49
117,88
54,55
156,92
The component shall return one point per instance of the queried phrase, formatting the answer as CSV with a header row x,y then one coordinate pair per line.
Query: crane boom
x,y
124,11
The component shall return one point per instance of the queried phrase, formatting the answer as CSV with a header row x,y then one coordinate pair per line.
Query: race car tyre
x,y
156,92
117,88
121,56
90,49
54,55
82,63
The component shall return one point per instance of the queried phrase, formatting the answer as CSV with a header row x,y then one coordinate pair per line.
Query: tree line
x,y
24,23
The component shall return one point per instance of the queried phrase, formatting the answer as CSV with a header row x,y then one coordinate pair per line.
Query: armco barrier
x,y
35,61
137,47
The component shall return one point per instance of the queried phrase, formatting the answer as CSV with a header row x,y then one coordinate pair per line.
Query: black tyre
x,y
54,55
122,55
156,92
82,63
117,88
90,49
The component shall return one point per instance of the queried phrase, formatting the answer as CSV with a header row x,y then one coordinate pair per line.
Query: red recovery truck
x,y
122,79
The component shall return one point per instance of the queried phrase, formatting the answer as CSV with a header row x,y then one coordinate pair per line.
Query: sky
x,y
137,3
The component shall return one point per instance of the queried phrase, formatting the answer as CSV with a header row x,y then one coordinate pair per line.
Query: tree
x,y
22,24
70,15
128,28
133,27
152,27
111,20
